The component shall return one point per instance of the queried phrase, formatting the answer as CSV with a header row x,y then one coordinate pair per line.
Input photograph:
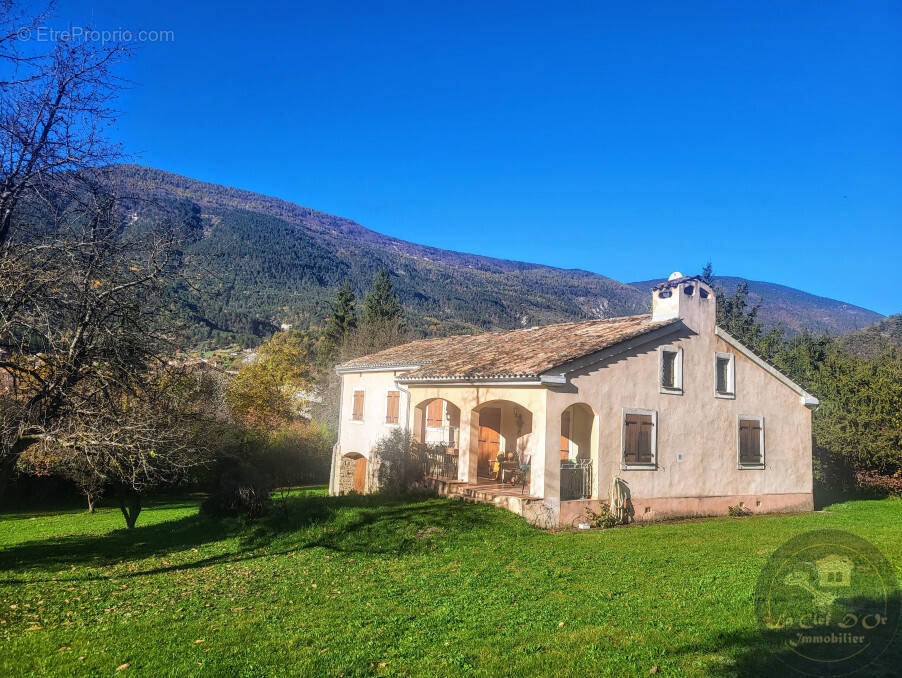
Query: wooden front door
x,y
360,474
489,439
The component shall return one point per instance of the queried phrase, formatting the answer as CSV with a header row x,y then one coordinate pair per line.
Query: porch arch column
x,y
467,444
550,439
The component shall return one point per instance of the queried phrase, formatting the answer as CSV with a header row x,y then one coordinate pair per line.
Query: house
x,y
667,408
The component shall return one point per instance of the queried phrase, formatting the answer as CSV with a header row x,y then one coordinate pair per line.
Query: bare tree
x,y
80,304
55,109
150,434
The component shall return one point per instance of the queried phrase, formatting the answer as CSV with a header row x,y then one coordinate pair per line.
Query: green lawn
x,y
361,586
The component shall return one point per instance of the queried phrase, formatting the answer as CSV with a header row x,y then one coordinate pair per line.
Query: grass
x,y
365,586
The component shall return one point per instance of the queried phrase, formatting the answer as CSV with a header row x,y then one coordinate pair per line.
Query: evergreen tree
x,y
341,324
381,305
734,314
383,318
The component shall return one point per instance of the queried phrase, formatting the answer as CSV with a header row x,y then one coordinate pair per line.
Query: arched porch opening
x,y
503,448
578,431
436,421
436,426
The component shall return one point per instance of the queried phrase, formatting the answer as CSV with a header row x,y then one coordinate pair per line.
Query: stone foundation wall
x,y
346,475
664,508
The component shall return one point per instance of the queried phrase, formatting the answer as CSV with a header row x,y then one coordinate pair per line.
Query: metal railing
x,y
576,479
439,463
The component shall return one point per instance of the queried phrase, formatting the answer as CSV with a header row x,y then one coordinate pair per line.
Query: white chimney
x,y
684,297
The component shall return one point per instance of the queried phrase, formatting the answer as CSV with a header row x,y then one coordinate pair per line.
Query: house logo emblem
x,y
834,571
827,604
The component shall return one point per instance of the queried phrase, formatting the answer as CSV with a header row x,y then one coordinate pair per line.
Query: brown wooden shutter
x,y
392,405
639,431
749,441
565,436
357,413
434,413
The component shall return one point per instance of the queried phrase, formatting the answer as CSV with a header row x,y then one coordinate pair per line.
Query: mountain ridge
x,y
268,261
780,303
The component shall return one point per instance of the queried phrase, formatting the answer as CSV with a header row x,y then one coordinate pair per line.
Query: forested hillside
x,y
259,262
876,338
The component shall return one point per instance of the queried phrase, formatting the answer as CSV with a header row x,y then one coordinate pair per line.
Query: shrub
x,y
739,511
253,464
873,482
602,519
241,488
400,463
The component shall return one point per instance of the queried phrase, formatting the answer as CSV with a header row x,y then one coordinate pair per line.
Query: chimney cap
x,y
674,282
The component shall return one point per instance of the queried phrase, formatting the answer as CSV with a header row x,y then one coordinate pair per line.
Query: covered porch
x,y
502,446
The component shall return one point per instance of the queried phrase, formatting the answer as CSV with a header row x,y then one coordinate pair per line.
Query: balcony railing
x,y
440,462
576,479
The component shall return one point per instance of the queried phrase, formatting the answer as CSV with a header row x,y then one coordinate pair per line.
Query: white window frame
x,y
653,466
739,464
385,417
730,394
677,388
363,413
444,416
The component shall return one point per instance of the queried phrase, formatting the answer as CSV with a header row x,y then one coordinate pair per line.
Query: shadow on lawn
x,y
766,653
356,524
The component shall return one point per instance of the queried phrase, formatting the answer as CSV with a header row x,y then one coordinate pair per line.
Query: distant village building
x,y
667,409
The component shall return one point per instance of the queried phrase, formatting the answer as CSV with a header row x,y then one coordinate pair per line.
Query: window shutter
x,y
645,435
357,413
749,441
434,413
392,407
639,430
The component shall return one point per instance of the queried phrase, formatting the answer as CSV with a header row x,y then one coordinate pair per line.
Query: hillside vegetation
x,y
876,338
261,262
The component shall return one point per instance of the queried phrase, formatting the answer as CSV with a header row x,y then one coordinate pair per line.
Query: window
x,y
392,407
724,375
435,414
639,438
357,410
751,442
671,369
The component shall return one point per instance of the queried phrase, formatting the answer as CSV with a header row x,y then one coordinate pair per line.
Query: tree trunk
x,y
90,498
130,504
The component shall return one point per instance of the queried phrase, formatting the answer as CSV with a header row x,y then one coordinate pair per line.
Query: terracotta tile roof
x,y
525,353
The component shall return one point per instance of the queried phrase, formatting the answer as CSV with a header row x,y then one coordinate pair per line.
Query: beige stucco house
x,y
683,418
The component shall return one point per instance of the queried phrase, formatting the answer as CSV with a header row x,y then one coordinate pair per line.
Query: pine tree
x,y
341,324
734,315
381,305
383,318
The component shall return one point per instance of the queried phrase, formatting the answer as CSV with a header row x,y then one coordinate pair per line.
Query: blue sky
x,y
630,139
